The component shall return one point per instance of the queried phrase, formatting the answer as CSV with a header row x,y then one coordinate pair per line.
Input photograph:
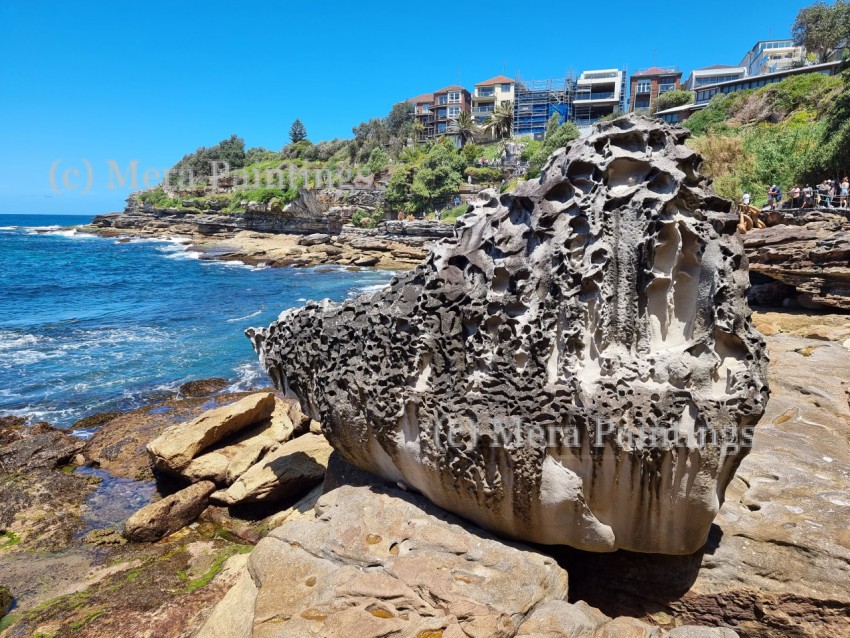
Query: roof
x,y
684,107
499,79
419,99
657,70
453,87
714,67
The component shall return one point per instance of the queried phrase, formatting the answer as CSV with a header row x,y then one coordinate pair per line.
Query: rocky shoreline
x,y
776,563
394,245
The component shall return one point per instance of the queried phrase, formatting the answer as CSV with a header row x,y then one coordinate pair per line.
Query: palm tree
x,y
501,121
465,128
416,130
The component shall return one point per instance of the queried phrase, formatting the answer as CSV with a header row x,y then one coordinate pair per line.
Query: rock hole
x,y
501,280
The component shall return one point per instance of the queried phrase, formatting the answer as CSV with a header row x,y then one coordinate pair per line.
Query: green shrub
x,y
365,219
784,133
471,152
158,199
484,175
671,99
451,215
557,138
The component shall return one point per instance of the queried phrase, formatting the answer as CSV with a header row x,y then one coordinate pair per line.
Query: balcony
x,y
663,88
482,110
597,95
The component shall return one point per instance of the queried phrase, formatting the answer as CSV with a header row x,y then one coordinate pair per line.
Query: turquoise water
x,y
88,324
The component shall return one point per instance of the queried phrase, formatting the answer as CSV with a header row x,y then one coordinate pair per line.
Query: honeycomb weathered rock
x,y
603,307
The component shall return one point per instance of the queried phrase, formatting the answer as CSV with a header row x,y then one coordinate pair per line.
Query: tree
x,y
416,131
821,27
465,128
563,135
397,194
671,99
297,132
553,124
400,118
501,121
378,161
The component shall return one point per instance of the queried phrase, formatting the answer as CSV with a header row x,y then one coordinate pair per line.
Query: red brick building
x,y
647,85
435,111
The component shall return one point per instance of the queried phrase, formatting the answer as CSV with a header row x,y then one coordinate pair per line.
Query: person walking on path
x,y
844,192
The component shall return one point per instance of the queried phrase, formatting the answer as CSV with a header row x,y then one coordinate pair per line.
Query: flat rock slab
x,y
284,474
175,448
383,563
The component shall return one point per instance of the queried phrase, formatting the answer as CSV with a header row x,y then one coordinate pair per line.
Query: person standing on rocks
x,y
823,194
808,192
745,200
796,202
844,192
773,196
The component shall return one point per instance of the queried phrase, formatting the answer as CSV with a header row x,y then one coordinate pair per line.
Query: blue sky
x,y
101,81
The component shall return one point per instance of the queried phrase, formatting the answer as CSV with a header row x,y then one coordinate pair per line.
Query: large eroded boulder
x,y
577,366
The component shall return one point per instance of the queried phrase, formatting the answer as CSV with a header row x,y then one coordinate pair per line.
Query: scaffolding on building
x,y
536,100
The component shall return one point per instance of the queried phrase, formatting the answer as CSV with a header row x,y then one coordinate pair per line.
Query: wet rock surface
x,y
30,447
602,306
203,387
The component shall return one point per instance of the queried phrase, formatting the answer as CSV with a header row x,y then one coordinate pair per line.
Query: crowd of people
x,y
830,193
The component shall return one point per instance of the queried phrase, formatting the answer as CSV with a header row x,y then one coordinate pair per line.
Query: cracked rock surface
x,y
576,366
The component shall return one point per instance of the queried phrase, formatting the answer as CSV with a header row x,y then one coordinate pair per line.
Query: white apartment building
x,y
714,74
599,93
770,56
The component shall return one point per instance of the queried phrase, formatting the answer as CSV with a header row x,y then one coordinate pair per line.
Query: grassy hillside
x,y
793,132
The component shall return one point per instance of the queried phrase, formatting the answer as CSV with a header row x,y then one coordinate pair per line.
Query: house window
x,y
506,88
441,100
441,113
642,103
441,127
643,86
454,111
454,97
426,108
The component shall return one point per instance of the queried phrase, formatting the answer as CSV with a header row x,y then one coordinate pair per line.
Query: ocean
x,y
90,324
